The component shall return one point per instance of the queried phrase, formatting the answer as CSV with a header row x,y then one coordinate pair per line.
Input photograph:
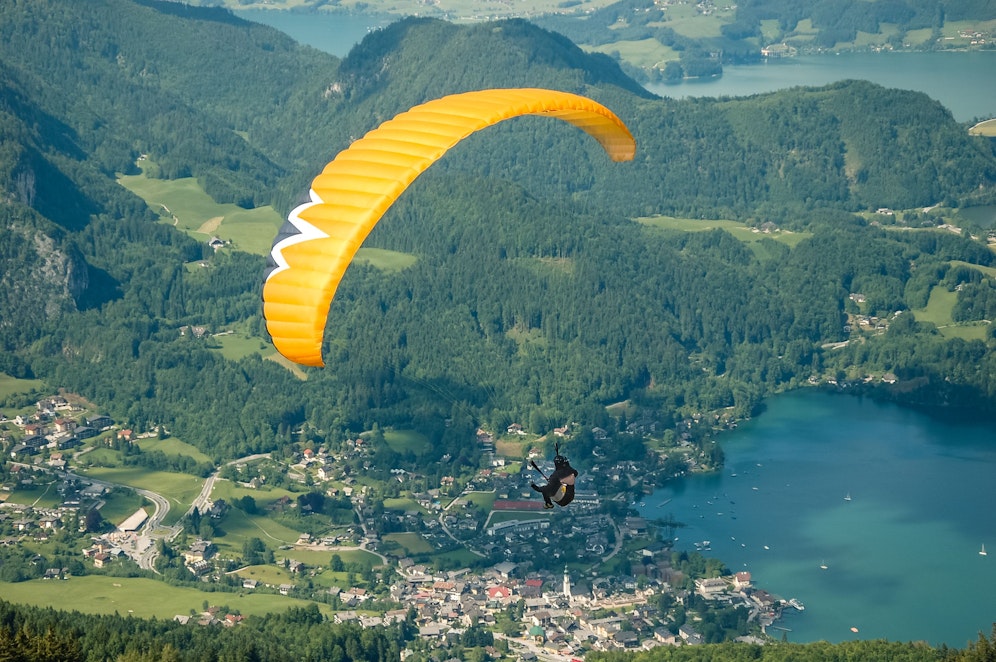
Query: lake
x,y
901,555
963,80
332,32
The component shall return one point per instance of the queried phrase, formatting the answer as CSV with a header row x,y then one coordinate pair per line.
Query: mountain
x,y
533,295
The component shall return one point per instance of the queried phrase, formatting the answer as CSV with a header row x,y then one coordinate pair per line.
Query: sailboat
x,y
823,566
848,497
982,552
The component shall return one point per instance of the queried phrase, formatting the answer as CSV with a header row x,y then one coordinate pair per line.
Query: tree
x,y
93,521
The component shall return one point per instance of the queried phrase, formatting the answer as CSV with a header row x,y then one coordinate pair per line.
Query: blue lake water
x,y
902,554
332,32
963,81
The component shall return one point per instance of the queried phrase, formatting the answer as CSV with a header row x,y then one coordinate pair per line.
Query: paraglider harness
x,y
559,486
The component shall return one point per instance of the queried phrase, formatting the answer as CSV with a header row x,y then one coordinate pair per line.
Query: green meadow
x,y
97,594
41,494
484,500
742,232
235,346
321,558
179,489
173,447
686,20
402,504
122,504
644,53
412,543
237,526
184,204
407,440
13,386
938,313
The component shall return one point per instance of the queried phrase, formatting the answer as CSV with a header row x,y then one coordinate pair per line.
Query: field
x,y
179,489
484,500
738,230
402,504
122,504
238,526
412,543
183,204
234,346
385,260
646,53
97,594
407,440
173,447
41,494
13,386
938,313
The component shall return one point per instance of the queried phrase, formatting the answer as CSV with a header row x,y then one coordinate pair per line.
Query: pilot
x,y
559,487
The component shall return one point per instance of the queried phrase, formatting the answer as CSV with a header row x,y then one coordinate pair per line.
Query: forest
x,y
549,300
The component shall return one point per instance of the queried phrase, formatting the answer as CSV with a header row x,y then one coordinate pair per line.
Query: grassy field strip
x,y
989,271
13,386
97,594
738,230
173,447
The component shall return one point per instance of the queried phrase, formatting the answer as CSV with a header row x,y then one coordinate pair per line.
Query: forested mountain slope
x,y
534,296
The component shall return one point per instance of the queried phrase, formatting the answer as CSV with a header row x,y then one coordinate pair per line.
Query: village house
x,y
200,550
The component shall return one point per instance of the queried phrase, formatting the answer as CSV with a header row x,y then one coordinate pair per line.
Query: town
x,y
476,552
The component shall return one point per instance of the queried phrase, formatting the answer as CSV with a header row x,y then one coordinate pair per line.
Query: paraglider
x,y
319,239
559,486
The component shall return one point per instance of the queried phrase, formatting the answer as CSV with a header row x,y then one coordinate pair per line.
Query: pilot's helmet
x,y
560,461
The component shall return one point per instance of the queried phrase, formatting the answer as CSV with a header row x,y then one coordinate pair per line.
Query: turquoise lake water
x,y
902,554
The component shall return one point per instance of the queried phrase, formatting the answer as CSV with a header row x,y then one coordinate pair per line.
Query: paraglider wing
x,y
320,238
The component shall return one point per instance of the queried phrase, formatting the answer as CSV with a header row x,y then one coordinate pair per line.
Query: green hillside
x,y
522,279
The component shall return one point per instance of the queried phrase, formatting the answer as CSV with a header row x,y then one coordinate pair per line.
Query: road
x,y
518,644
146,549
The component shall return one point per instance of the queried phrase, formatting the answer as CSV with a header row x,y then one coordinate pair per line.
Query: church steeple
x,y
567,584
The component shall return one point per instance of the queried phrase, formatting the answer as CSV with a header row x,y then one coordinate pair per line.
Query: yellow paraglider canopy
x,y
320,238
